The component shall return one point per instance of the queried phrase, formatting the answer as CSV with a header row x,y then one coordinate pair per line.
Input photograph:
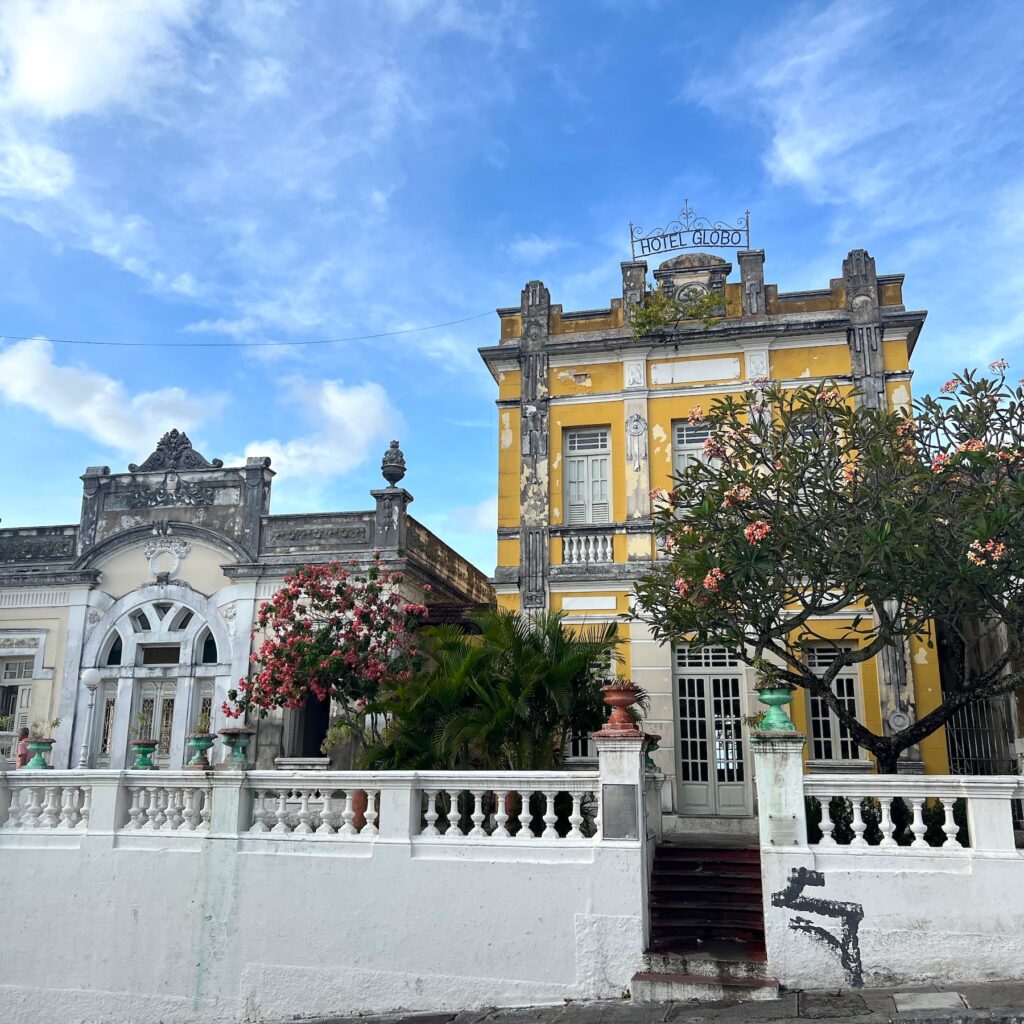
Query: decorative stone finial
x,y
392,466
174,451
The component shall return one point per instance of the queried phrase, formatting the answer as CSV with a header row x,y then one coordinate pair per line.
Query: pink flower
x,y
736,495
949,387
986,554
757,531
683,588
759,382
973,445
659,494
998,365
714,579
696,414
713,448
939,462
829,396
849,472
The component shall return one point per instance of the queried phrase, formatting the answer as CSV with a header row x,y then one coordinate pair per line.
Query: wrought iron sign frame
x,y
689,231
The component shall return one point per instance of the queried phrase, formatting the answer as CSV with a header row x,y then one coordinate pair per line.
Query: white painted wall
x,y
928,918
122,926
922,915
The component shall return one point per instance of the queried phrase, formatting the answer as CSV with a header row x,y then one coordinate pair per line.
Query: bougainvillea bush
x,y
809,505
330,633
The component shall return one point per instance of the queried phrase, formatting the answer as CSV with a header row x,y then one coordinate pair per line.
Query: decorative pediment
x,y
174,451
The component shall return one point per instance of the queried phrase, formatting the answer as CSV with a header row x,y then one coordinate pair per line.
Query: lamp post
x,y
90,680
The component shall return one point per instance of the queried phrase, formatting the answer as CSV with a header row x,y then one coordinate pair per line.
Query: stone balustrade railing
x,y
46,800
940,813
587,548
469,807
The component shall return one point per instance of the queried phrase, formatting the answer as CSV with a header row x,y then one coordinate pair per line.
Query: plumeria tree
x,y
887,523
332,632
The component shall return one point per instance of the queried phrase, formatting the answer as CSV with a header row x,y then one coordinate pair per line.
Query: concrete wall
x,y
122,920
852,913
903,918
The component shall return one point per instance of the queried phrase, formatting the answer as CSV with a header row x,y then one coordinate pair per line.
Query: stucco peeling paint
x,y
506,430
921,656
846,944
901,398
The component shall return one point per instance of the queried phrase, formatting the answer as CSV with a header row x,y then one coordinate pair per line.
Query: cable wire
x,y
242,344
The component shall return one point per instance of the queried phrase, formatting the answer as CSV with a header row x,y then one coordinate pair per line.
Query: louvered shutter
x,y
576,485
600,506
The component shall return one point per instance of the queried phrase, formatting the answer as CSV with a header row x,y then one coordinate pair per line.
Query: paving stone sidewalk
x,y
967,1004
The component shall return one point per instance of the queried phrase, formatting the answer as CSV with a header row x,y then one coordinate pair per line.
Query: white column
x,y
65,679
989,817
120,756
621,767
183,716
779,776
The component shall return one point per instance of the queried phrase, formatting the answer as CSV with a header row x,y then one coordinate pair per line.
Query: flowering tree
x,y
331,633
886,522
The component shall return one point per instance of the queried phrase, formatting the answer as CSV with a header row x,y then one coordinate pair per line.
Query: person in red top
x,y
23,754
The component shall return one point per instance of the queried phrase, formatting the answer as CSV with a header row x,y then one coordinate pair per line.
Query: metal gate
x,y
712,751
979,739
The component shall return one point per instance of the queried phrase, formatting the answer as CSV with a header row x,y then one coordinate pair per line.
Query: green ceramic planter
x,y
40,749
777,719
144,751
237,741
199,743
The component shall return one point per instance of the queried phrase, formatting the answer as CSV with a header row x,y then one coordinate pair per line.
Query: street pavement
x,y
967,1004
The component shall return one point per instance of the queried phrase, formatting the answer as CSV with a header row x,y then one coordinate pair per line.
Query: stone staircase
x,y
707,927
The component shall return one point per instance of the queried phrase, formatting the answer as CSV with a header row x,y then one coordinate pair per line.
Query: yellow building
x,y
591,419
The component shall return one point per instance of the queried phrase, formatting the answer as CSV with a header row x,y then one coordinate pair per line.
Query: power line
x,y
243,344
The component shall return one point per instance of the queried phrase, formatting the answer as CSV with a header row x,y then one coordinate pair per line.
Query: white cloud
x,y
32,170
479,518
535,247
93,403
263,77
349,422
852,123
66,57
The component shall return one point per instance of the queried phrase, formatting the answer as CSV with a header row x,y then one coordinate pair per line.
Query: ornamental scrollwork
x,y
174,451
173,492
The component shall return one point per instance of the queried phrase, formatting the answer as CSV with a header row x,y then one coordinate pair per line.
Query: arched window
x,y
164,659
115,651
209,655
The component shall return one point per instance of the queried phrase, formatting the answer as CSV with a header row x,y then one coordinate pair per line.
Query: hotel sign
x,y
690,232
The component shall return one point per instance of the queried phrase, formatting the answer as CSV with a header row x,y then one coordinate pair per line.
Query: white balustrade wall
x,y
259,896
881,880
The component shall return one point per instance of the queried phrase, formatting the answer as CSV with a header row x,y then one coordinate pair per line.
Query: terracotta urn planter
x,y
619,697
199,744
236,739
40,747
360,802
776,697
143,751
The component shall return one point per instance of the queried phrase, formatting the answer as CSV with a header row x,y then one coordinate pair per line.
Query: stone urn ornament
x,y
392,466
619,696
143,751
199,743
776,693
236,740
40,742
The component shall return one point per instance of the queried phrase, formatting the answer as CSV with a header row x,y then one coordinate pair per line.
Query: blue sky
x,y
255,170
